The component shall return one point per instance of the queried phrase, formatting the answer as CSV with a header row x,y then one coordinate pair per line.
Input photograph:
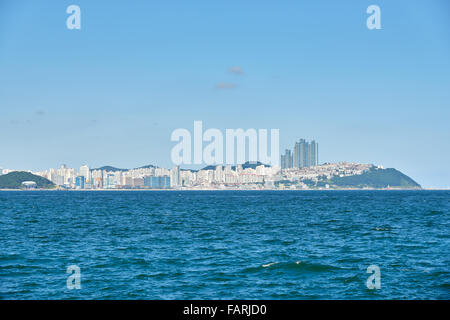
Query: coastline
x,y
230,189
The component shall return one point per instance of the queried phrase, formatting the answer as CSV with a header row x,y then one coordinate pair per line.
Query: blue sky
x,y
113,92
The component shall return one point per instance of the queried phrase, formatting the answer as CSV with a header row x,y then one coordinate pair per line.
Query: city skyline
x,y
298,169
112,92
247,176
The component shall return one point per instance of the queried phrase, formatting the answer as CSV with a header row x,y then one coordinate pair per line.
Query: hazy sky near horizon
x,y
113,92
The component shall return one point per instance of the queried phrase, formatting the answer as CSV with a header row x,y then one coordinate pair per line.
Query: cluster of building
x,y
150,177
112,178
299,170
218,177
304,155
303,178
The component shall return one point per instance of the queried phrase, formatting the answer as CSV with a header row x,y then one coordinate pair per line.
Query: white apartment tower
x,y
85,172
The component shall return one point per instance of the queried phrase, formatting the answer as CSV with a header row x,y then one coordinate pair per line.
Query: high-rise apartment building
x,y
313,153
85,172
175,176
286,160
305,154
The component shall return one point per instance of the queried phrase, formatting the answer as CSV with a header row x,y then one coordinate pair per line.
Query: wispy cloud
x,y
225,85
16,122
236,70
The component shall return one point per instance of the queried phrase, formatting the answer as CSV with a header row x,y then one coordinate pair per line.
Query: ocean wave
x,y
297,266
269,264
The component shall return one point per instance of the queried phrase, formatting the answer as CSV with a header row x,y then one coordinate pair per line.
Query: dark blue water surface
x,y
225,244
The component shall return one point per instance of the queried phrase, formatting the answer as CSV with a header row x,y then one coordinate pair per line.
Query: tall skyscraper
x,y
296,155
286,159
313,154
85,172
175,176
300,154
305,154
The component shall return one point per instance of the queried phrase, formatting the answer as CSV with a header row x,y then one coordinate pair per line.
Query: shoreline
x,y
213,189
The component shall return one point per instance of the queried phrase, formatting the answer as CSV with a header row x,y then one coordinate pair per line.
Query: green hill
x,y
246,165
109,169
13,180
376,178
114,169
